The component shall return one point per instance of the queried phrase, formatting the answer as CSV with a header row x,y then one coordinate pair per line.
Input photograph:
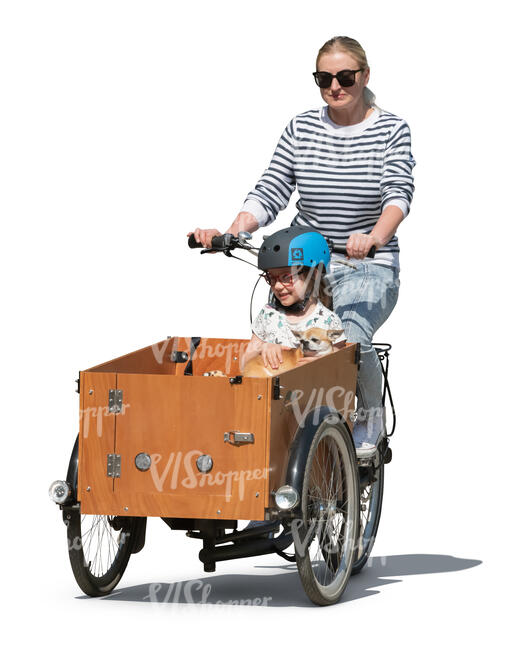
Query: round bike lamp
x,y
286,497
59,491
204,463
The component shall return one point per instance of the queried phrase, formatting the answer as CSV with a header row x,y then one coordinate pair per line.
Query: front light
x,y
59,491
286,497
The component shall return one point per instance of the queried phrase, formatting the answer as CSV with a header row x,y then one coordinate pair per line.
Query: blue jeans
x,y
363,299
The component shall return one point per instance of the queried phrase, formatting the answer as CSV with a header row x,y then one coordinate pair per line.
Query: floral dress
x,y
271,324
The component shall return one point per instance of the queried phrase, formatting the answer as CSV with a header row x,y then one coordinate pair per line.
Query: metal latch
x,y
114,465
115,401
238,438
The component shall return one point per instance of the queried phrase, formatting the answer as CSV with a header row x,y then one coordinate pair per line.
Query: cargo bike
x,y
175,431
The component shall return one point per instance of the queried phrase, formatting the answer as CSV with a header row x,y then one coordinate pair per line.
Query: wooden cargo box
x,y
143,403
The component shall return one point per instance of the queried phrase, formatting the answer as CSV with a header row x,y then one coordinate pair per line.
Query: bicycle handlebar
x,y
219,242
341,248
229,242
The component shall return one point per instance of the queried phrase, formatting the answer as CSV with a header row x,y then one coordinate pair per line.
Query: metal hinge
x,y
277,388
115,400
114,465
238,438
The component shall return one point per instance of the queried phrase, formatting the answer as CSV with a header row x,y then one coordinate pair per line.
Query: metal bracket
x,y
276,388
114,465
179,356
238,438
115,401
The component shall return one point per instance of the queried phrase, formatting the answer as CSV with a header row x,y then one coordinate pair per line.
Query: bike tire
x,y
329,523
370,515
98,573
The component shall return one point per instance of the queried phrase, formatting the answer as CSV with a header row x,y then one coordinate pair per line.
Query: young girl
x,y
294,261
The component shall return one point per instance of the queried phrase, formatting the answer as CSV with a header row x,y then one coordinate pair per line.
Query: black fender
x,y
73,469
299,449
139,529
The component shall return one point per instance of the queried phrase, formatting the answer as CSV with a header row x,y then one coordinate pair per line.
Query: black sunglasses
x,y
344,78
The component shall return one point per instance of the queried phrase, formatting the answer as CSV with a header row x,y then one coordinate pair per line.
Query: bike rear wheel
x,y
370,514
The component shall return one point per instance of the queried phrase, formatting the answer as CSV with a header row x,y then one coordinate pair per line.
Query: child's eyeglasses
x,y
345,78
287,279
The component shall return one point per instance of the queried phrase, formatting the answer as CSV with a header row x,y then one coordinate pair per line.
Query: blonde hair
x,y
354,48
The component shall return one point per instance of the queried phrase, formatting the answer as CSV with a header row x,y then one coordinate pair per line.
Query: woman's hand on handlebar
x,y
271,354
243,221
204,236
359,244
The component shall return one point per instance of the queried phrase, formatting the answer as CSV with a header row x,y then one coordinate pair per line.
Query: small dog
x,y
314,342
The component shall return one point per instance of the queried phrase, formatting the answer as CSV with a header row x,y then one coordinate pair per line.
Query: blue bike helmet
x,y
294,246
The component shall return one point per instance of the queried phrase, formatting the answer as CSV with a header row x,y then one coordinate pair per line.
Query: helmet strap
x,y
295,307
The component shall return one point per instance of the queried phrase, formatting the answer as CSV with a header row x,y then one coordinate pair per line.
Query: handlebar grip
x,y
219,242
341,248
192,243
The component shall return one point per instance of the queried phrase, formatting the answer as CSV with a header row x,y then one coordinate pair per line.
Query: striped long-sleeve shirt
x,y
345,175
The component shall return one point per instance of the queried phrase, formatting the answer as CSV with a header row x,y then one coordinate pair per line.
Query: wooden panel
x,y
152,359
175,419
329,380
211,354
96,440
219,354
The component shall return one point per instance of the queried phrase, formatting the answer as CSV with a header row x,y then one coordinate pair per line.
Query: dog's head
x,y
316,340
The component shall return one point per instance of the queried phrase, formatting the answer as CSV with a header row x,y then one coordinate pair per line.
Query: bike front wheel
x,y
99,548
326,534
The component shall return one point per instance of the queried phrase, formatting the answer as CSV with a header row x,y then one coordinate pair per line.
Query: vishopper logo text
x,y
230,351
196,592
335,397
339,400
183,465
92,418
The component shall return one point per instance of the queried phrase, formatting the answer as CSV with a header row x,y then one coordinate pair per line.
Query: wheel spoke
x,y
101,544
327,503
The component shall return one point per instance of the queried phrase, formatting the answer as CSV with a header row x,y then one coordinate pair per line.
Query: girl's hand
x,y
204,236
271,354
359,244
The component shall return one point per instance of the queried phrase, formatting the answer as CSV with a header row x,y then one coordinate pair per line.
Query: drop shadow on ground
x,y
284,589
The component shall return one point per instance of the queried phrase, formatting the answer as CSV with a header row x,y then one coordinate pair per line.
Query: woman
x,y
352,165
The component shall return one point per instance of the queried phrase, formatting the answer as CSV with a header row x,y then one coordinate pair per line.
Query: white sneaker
x,y
365,450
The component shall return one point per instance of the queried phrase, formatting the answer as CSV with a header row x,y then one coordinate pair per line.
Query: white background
x,y
126,124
